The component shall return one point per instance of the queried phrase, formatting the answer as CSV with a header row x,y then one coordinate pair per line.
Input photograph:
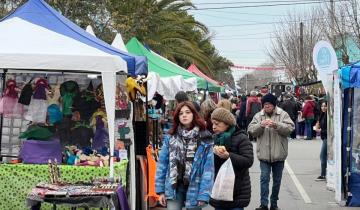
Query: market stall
x,y
350,84
39,44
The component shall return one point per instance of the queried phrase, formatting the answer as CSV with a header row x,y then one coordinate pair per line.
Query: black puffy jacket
x,y
242,158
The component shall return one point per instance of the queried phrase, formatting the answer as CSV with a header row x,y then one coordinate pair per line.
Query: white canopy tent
x,y
43,49
165,86
90,30
118,43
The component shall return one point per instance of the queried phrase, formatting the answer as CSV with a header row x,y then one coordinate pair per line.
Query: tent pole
x,y
348,143
3,77
132,161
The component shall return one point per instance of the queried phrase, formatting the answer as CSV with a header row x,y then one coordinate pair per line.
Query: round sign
x,y
324,57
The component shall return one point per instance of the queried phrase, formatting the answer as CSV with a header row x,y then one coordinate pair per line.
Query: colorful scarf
x,y
223,138
182,148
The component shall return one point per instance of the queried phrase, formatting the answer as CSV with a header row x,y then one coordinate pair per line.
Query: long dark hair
x,y
197,119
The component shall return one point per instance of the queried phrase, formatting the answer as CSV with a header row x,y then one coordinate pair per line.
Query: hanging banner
x,y
337,137
325,61
331,168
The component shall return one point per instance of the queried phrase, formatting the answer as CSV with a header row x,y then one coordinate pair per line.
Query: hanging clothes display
x,y
38,105
9,105
54,97
85,103
152,196
99,95
81,135
68,91
101,136
54,114
64,131
26,93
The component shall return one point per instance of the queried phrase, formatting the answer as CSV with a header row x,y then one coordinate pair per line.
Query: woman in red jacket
x,y
308,114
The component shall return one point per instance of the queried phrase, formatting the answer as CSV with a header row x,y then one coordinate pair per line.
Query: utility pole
x,y
302,73
246,89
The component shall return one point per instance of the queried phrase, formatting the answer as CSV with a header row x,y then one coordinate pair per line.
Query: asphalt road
x,y
304,161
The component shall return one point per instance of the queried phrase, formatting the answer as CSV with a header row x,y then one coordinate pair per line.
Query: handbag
x,y
223,188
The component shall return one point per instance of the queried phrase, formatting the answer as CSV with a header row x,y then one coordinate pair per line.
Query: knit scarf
x,y
222,138
182,148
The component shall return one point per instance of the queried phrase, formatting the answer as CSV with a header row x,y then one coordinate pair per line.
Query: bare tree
x,y
287,48
350,12
335,26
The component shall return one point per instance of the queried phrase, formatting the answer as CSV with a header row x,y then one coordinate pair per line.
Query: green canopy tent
x,y
164,67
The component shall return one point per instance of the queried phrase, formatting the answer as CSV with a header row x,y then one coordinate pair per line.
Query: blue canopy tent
x,y
34,12
350,84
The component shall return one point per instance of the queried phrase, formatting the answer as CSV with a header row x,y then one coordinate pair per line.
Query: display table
x,y
16,181
79,195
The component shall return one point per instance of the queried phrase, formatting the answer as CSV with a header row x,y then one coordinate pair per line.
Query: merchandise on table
x,y
16,181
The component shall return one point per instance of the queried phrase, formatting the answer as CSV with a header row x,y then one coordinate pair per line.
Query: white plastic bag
x,y
223,188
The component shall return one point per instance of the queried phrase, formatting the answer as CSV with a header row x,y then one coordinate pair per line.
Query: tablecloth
x,y
16,181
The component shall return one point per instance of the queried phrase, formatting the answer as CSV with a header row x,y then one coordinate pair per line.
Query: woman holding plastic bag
x,y
185,170
233,156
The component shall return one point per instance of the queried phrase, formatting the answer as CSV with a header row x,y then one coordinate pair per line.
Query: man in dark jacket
x,y
234,144
241,119
291,108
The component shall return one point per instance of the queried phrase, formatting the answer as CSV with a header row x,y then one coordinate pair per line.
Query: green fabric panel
x,y
166,68
160,65
16,181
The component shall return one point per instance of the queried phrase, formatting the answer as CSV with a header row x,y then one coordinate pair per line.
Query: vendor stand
x,y
54,45
350,84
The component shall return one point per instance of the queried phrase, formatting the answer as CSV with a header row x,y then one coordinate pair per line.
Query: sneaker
x,y
262,208
274,208
320,178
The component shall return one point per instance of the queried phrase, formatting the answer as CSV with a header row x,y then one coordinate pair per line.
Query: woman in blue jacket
x,y
185,170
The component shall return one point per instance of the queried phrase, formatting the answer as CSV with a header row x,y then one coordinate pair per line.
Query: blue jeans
x,y
301,128
323,157
277,169
179,202
231,209
308,129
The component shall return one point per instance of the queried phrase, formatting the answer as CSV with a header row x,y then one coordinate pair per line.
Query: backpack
x,y
254,108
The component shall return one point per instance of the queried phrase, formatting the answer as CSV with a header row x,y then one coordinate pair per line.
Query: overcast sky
x,y
243,34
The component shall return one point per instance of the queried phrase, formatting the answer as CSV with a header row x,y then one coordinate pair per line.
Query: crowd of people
x,y
204,137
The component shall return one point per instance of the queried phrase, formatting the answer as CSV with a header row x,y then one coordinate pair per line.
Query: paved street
x,y
304,161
